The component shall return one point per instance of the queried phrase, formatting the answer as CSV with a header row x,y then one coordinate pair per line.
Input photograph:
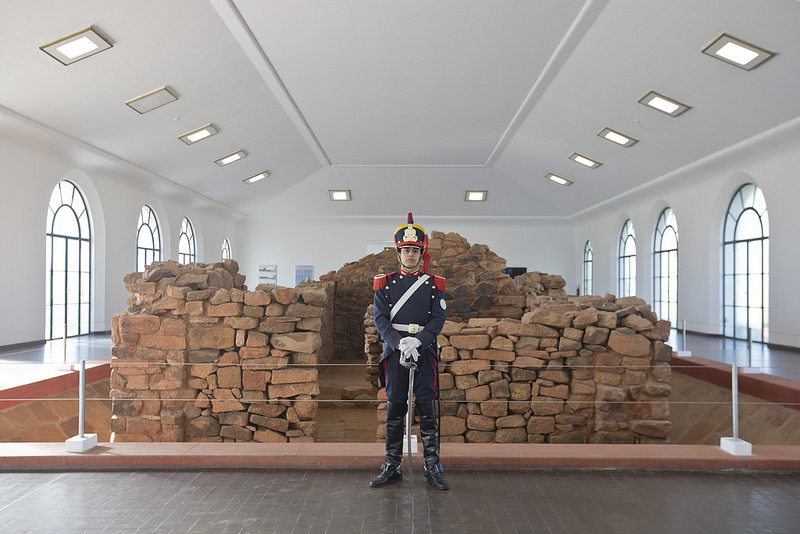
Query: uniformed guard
x,y
410,311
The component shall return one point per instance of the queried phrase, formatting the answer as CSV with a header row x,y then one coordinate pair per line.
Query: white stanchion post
x,y
81,442
683,351
734,445
750,369
64,366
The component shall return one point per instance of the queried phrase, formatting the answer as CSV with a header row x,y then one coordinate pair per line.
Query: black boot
x,y
389,473
429,432
390,470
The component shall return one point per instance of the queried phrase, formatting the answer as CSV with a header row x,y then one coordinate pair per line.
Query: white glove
x,y
408,351
409,359
408,343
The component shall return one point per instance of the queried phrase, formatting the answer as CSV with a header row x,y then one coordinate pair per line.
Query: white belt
x,y
410,328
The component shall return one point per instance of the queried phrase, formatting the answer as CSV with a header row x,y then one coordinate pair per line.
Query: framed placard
x,y
303,273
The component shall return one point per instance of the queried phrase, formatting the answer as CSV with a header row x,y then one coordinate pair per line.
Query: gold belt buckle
x,y
413,328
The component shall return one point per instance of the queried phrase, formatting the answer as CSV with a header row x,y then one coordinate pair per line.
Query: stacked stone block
x,y
583,370
198,357
477,286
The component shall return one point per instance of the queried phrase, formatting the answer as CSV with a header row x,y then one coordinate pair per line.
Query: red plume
x,y
410,218
426,258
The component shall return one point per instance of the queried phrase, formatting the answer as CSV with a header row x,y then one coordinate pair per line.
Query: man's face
x,y
410,258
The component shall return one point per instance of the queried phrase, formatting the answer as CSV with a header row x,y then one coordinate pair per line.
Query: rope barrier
x,y
378,401
367,365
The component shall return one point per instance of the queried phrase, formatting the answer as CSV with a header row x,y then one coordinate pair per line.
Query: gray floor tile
x,y
339,501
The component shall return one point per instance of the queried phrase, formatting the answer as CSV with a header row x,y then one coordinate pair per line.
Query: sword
x,y
409,419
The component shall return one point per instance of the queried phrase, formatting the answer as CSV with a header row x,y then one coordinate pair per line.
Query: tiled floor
x,y
31,363
325,501
757,356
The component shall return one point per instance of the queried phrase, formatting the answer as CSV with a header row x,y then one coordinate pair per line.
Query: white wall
x,y
700,195
32,161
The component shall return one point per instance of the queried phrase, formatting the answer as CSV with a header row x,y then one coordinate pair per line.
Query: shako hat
x,y
411,234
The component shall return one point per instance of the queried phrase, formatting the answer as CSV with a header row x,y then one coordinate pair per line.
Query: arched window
x,y
186,243
587,268
745,300
148,239
68,256
665,268
626,257
226,249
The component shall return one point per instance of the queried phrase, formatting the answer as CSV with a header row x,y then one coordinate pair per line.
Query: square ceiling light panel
x,y
475,195
583,160
230,158
618,138
199,134
557,179
661,103
151,101
257,178
339,195
737,52
77,46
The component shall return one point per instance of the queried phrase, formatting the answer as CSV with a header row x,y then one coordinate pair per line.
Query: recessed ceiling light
x,y
151,101
737,52
673,108
77,46
583,160
230,158
198,135
475,196
557,179
616,137
257,178
339,195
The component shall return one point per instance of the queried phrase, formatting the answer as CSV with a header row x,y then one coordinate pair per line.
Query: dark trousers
x,y
426,377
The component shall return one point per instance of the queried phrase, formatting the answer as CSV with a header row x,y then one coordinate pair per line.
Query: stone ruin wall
x,y
198,357
523,362
595,371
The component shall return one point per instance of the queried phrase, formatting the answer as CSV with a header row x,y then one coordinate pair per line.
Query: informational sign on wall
x,y
303,273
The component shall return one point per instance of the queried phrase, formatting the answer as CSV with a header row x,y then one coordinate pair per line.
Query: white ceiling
x,y
422,99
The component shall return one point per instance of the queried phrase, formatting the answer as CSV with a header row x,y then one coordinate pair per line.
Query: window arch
x,y
186,243
148,239
588,273
626,257
226,249
745,300
665,267
68,255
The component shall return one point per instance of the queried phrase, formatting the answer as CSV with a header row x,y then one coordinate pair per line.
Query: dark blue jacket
x,y
426,308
